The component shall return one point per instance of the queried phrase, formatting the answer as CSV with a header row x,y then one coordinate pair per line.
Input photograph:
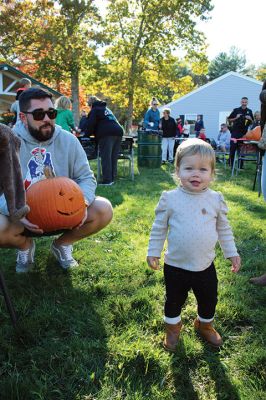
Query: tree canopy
x,y
226,62
133,51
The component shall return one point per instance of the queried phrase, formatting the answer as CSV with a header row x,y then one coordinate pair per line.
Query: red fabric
x,y
202,136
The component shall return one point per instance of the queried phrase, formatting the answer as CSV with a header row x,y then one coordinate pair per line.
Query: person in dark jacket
x,y
108,133
199,124
168,126
240,118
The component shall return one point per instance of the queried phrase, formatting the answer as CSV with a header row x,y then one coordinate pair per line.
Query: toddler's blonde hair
x,y
63,102
192,147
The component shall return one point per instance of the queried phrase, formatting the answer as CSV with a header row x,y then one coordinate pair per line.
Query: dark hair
x,y
32,93
244,98
263,110
19,91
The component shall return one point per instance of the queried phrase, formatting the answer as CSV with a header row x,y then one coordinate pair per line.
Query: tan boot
x,y
259,280
172,333
208,333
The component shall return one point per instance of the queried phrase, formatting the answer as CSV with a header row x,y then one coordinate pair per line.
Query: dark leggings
x,y
179,281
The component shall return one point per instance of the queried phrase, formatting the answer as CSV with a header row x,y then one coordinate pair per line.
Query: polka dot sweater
x,y
192,223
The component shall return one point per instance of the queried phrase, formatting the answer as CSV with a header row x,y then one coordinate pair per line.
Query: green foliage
x,y
223,63
95,333
261,73
142,34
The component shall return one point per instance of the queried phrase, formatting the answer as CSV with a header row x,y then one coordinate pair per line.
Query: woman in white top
x,y
186,129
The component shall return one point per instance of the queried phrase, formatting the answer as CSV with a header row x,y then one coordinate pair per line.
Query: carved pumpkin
x,y
55,203
254,134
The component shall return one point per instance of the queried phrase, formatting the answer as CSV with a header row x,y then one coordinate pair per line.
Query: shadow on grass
x,y
158,176
252,206
185,366
60,352
225,390
182,368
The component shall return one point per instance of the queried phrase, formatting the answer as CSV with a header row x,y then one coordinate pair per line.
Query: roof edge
x,y
212,82
3,66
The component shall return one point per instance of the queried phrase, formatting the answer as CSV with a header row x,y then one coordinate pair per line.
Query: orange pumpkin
x,y
55,203
254,134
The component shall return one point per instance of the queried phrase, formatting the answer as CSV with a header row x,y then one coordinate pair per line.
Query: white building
x,y
215,100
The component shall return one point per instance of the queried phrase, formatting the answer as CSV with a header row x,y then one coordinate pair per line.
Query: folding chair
x,y
9,305
127,153
246,151
92,150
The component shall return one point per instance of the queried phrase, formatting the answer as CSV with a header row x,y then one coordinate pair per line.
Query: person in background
x,y
168,126
24,84
64,116
108,133
223,139
256,122
198,125
82,121
202,134
241,118
186,129
179,127
261,280
193,218
152,116
43,143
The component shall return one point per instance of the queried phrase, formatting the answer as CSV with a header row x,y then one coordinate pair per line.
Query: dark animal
x,y
11,182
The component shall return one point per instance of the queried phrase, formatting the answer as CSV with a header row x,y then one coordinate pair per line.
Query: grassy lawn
x,y
96,332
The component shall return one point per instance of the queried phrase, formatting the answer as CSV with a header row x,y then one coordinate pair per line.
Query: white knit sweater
x,y
192,223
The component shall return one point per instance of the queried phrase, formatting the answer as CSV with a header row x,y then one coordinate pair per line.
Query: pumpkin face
x,y
254,134
55,204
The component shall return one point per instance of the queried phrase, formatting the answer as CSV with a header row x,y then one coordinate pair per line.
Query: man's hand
x,y
236,263
153,262
248,117
31,227
238,116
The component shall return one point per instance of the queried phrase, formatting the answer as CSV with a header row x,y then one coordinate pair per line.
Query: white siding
x,y
218,96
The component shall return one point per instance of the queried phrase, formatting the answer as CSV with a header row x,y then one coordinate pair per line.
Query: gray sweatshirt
x,y
192,224
63,153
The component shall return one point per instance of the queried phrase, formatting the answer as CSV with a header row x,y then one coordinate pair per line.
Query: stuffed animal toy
x,y
11,182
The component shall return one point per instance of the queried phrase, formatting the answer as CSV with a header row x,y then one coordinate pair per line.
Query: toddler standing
x,y
192,217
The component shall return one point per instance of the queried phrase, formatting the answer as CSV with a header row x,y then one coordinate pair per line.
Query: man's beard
x,y
39,135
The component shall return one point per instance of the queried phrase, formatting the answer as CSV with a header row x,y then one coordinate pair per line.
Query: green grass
x,y
96,332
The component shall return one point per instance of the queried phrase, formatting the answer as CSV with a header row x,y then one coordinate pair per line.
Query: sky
x,y
237,23
234,23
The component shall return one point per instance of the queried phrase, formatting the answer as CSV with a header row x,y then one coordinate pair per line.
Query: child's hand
x,y
153,262
236,263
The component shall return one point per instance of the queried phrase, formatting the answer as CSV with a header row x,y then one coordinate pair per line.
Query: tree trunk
x,y
75,94
131,92
129,111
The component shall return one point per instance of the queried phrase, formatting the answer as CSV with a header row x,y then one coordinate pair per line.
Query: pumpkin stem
x,y
48,172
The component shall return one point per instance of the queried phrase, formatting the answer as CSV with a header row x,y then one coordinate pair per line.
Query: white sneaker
x,y
63,254
25,259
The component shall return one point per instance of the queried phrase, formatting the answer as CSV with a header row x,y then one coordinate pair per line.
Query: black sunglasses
x,y
38,115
